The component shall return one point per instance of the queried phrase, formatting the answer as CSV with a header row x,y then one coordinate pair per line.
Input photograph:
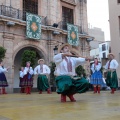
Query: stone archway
x,y
17,64
24,44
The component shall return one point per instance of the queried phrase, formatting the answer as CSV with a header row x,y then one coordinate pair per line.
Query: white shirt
x,y
21,74
26,70
3,69
46,70
95,68
113,64
61,65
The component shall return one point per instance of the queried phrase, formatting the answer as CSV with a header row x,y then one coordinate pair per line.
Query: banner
x,y
33,26
73,38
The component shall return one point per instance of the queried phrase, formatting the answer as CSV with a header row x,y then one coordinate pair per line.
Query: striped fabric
x,y
97,79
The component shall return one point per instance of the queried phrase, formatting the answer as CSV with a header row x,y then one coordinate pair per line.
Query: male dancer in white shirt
x,y
111,66
42,71
65,71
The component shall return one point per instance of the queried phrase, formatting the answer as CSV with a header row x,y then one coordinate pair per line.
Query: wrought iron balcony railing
x,y
63,25
21,15
16,13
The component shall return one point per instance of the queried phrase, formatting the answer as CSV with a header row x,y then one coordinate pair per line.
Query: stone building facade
x,y
13,30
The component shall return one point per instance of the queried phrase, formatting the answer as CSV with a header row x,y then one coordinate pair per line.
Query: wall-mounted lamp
x,y
56,32
10,23
89,39
55,50
55,25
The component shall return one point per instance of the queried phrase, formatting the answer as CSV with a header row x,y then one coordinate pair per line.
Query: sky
x,y
98,15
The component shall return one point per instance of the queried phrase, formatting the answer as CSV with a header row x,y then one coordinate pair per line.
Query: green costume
x,y
67,85
42,83
112,80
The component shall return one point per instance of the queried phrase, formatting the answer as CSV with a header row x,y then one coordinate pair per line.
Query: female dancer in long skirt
x,y
3,80
21,84
96,77
28,77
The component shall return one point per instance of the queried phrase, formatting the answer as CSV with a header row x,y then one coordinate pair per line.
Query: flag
x,y
73,38
33,26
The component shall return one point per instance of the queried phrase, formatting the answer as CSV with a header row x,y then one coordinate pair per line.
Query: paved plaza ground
x,y
45,106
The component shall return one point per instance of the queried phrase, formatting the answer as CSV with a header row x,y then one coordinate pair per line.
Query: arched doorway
x,y
17,65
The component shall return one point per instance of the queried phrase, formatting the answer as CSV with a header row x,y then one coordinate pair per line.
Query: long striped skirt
x,y
97,79
42,83
27,80
66,85
112,80
3,80
21,84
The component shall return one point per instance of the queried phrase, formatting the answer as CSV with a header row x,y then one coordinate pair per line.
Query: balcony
x,y
16,13
9,11
63,25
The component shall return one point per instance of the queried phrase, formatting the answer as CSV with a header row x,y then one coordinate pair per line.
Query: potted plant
x,y
2,52
29,55
80,71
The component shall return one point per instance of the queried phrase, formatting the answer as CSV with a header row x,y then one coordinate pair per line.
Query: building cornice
x,y
72,2
47,28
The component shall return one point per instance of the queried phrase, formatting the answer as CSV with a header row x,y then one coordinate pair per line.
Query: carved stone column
x,y
8,44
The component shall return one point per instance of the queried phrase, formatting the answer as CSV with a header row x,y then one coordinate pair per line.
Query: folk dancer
x,y
28,77
21,84
3,80
65,72
96,78
111,79
42,71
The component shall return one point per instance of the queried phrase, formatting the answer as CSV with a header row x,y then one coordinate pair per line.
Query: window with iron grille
x,y
30,6
67,17
118,1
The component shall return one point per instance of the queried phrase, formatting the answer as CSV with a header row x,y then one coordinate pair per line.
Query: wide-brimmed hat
x,y
28,62
41,60
63,45
111,54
